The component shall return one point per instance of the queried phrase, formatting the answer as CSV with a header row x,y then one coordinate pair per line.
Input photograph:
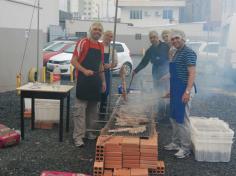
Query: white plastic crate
x,y
47,110
212,139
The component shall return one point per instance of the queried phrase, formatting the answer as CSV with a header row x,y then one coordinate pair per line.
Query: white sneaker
x,y
79,143
182,153
171,146
91,136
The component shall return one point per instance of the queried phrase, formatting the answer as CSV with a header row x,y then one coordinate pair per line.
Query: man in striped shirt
x,y
182,75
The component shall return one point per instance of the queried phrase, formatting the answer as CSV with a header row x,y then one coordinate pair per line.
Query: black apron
x,y
89,87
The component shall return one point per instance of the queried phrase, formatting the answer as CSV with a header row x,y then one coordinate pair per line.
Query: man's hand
x,y
185,97
104,87
88,72
107,66
167,95
133,73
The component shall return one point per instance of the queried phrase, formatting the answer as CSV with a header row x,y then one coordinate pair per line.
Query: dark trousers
x,y
103,105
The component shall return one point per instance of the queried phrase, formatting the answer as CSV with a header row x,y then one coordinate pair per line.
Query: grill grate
x,y
112,126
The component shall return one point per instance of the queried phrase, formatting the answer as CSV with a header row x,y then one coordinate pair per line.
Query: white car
x,y
123,57
63,60
208,55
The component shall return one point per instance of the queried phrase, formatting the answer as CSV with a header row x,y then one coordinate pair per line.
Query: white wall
x,y
14,23
15,15
127,33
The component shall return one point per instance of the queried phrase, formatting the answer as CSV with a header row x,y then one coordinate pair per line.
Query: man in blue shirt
x,y
182,75
157,54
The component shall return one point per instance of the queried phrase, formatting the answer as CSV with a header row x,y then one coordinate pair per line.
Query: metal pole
x,y
113,57
107,9
38,44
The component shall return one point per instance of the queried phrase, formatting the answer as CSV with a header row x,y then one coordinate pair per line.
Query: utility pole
x,y
107,15
38,42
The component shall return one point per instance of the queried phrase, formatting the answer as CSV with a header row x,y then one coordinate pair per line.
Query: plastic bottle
x,y
56,76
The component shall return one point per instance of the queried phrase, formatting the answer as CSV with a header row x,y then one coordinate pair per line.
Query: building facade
x,y
150,12
201,10
15,17
228,8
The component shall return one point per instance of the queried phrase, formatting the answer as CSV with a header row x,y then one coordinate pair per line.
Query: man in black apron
x,y
88,61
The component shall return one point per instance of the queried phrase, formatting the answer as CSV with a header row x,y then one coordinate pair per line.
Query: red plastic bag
x,y
55,173
8,137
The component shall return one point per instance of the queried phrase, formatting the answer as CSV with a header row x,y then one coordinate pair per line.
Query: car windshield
x,y
194,46
70,49
48,44
211,48
56,47
119,48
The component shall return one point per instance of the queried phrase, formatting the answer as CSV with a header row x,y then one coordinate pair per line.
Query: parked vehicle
x,y
63,59
208,55
227,53
123,57
55,49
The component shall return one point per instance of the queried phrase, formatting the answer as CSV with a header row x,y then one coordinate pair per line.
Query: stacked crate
x,y
130,152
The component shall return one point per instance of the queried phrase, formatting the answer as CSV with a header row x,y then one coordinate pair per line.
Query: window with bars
x,y
168,14
136,14
138,36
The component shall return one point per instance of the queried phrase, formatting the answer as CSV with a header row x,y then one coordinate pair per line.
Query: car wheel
x,y
128,68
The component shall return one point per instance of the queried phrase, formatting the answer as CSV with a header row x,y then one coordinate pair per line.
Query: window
x,y
168,14
157,13
136,14
81,34
119,48
138,36
147,13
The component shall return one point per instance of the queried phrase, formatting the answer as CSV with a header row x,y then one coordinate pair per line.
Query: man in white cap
x,y
182,75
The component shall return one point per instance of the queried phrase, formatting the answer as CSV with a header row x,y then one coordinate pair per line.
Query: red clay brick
x,y
139,172
108,173
113,158
127,157
131,165
152,158
148,166
110,166
113,154
148,151
98,168
131,153
122,172
131,141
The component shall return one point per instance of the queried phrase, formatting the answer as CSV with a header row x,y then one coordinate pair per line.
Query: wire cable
x,y
27,41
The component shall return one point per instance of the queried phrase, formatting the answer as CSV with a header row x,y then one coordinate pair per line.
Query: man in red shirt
x,y
88,59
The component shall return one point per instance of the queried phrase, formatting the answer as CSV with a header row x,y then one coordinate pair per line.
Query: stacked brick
x,y
127,156
130,152
98,168
113,152
148,153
